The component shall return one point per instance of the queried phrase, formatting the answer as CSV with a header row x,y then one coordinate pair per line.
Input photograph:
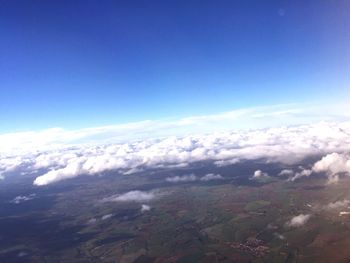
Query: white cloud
x,y
105,217
333,164
338,204
299,220
259,174
344,213
181,179
91,221
210,177
132,196
145,208
222,163
248,118
287,145
302,173
22,198
286,172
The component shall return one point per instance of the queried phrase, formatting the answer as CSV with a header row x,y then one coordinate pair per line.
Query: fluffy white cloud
x,y
259,174
338,204
222,163
132,196
298,221
287,145
333,164
181,179
210,177
145,208
302,173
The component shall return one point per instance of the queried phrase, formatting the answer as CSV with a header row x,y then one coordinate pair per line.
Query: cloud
x,y
210,177
286,172
91,221
302,173
333,164
299,220
279,236
338,204
344,213
181,179
132,196
145,208
259,174
22,198
246,118
222,163
287,145
105,217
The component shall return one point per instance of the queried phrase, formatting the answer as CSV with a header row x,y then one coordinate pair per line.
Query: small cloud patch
x,y
259,174
181,179
132,196
105,217
22,198
145,208
299,220
210,177
338,204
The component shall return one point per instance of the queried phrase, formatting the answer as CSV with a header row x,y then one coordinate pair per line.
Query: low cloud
x,y
286,172
92,221
286,145
132,196
333,165
299,220
259,174
145,208
23,198
279,236
338,204
301,174
226,162
182,179
105,217
210,177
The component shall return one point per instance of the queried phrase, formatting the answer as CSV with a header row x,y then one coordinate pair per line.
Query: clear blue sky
x,y
85,63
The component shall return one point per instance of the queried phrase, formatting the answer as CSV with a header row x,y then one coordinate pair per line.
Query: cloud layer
x,y
287,145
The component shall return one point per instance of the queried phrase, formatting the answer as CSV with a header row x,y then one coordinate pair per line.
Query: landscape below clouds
x,y
255,192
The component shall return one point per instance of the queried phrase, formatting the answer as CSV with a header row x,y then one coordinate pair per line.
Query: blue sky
x,y
76,64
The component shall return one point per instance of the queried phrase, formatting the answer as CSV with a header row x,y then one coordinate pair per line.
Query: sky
x,y
81,64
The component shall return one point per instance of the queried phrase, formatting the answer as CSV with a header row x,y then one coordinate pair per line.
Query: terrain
x,y
145,217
